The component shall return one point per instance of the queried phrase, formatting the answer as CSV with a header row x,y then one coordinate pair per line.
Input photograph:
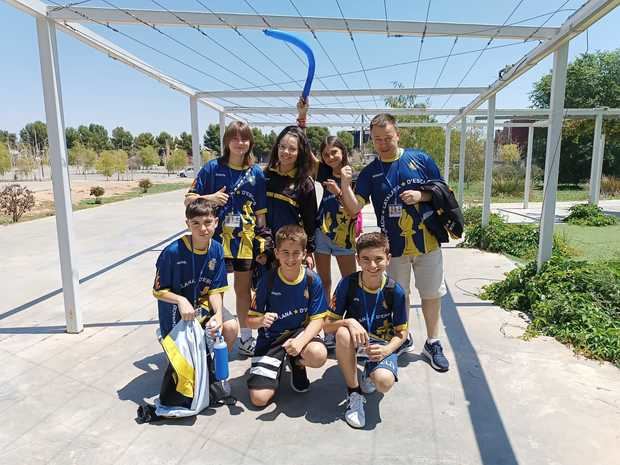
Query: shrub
x,y
586,214
507,180
518,240
97,191
576,302
610,185
15,200
472,215
145,185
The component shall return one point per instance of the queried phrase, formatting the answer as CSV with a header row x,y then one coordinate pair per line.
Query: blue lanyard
x,y
231,191
370,319
197,281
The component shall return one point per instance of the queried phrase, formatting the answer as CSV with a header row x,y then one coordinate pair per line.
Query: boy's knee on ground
x,y
383,379
314,355
343,337
261,397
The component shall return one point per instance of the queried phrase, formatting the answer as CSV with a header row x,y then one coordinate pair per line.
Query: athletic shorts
x,y
427,272
238,264
324,245
268,361
389,363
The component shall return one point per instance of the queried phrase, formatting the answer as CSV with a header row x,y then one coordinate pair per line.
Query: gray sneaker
x,y
366,384
247,347
407,345
355,415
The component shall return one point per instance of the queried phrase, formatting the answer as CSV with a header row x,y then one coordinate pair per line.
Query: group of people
x,y
265,227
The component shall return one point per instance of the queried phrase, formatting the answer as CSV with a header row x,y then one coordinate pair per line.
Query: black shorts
x,y
238,264
268,361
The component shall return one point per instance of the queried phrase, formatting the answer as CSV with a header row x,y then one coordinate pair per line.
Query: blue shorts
x,y
390,363
324,245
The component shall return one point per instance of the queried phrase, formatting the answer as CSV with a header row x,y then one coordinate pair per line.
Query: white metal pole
x,y
46,34
528,167
196,155
446,156
488,162
595,186
462,160
222,130
552,154
599,169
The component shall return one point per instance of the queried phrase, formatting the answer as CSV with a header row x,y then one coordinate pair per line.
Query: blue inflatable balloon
x,y
303,46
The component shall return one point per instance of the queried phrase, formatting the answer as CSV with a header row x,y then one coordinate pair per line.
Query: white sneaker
x,y
366,384
407,345
330,341
355,415
247,347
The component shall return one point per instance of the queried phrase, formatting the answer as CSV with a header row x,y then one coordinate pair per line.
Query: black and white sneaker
x,y
299,377
247,347
407,345
434,353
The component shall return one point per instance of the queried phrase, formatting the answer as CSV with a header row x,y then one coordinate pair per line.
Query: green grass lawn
x,y
566,193
593,243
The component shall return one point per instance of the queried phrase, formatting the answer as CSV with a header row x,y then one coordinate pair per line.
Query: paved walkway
x,y
515,213
72,398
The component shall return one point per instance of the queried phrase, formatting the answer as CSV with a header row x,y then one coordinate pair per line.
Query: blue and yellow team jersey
x,y
332,219
383,182
296,303
370,309
193,275
291,203
247,198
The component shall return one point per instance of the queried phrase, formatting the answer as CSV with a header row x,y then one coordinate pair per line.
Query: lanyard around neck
x,y
197,281
370,319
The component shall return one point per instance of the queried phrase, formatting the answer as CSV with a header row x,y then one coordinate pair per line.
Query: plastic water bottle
x,y
220,350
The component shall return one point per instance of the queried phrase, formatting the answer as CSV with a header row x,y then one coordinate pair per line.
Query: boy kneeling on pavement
x,y
369,317
288,311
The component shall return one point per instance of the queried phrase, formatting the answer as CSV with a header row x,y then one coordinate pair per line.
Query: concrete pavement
x,y
72,398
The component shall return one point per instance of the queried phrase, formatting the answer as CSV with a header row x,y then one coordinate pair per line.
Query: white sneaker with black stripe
x,y
355,415
247,347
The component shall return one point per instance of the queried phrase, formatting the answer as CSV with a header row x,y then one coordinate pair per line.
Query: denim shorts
x,y
389,363
324,245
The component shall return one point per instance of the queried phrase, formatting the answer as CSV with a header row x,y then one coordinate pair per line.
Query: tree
x,y
34,135
347,139
510,152
106,163
72,137
148,156
94,136
144,139
316,135
25,165
593,80
5,159
9,138
184,142
164,140
15,200
145,185
211,139
121,139
262,147
121,160
176,161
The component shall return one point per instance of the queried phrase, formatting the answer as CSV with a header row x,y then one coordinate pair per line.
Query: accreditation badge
x,y
232,221
394,211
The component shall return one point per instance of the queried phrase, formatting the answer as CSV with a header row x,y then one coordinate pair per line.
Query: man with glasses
x,y
403,211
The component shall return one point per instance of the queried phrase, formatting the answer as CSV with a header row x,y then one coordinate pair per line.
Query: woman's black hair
x,y
304,163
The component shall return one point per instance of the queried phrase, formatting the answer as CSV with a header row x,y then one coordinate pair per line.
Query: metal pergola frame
x,y
71,19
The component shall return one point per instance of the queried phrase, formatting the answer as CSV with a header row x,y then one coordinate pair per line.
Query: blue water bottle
x,y
220,350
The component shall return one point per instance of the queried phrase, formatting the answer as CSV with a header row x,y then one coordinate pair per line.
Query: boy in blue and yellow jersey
x,y
191,276
368,315
288,311
237,186
394,183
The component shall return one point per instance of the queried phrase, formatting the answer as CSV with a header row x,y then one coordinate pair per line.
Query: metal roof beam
x,y
343,92
296,23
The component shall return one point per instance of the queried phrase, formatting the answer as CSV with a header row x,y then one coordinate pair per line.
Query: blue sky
x,y
99,89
